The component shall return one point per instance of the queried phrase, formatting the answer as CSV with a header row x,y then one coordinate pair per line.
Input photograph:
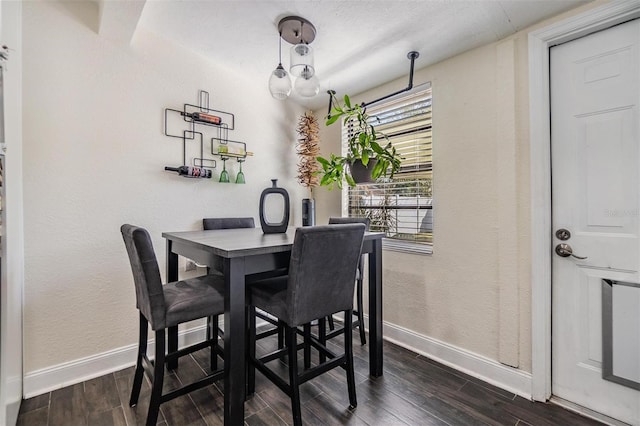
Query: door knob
x,y
565,250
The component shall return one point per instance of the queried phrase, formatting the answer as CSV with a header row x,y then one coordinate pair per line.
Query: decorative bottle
x,y
274,227
188,171
203,117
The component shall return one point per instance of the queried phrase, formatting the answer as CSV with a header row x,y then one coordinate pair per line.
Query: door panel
x,y
595,91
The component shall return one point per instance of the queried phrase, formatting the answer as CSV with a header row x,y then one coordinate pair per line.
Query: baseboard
x,y
513,380
69,373
483,368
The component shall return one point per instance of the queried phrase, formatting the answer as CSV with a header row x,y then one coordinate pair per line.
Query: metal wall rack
x,y
202,115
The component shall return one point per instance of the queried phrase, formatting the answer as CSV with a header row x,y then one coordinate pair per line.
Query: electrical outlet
x,y
190,265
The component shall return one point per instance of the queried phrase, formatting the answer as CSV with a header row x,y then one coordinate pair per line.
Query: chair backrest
x,y
227,223
146,275
342,220
322,271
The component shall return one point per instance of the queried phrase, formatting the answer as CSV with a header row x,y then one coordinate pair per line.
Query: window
x,y
401,207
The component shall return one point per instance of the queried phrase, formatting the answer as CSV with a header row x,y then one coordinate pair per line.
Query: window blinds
x,y
406,122
401,207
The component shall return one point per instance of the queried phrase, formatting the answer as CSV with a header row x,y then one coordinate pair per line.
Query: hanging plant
x,y
308,149
363,147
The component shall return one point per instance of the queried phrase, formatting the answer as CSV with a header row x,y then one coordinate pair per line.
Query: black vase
x,y
308,212
274,227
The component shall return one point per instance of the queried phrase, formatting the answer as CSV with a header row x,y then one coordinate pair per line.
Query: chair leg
x,y
348,352
322,337
331,324
360,305
173,346
291,337
212,334
158,378
251,348
307,345
281,337
142,352
280,334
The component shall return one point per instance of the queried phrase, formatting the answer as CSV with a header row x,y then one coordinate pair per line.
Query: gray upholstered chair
x,y
228,222
322,272
212,323
164,307
359,311
225,223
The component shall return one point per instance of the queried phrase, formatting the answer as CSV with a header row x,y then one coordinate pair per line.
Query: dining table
x,y
249,251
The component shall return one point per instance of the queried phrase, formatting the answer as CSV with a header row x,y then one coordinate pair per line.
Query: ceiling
x,y
359,44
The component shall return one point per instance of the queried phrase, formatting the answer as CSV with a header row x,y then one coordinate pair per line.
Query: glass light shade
x,y
307,86
301,59
280,83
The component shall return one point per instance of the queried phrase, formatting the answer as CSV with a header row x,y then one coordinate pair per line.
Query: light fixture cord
x,y
280,49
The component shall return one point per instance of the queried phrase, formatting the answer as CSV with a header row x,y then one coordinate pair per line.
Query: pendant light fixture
x,y
279,82
307,84
300,33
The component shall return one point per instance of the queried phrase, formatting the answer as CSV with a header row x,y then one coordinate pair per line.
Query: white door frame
x,y
540,41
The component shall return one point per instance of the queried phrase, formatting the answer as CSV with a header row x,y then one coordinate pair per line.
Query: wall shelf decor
x,y
198,119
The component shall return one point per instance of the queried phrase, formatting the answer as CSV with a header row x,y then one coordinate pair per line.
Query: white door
x,y
595,94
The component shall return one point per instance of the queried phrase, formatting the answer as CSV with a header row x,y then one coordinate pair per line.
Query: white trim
x,y
586,412
540,41
69,373
483,368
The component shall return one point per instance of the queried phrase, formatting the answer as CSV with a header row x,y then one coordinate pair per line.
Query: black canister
x,y
274,227
308,212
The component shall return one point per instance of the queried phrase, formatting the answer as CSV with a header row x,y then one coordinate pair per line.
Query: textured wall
x,y
452,295
474,292
94,152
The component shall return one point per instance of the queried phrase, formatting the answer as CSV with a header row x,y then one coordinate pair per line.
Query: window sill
x,y
406,247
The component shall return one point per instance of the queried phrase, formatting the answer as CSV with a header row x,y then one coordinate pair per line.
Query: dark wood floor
x,y
413,391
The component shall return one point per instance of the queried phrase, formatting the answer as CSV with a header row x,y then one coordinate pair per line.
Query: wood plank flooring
x,y
413,391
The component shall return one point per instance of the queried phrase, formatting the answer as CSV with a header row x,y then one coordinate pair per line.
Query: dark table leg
x,y
172,275
375,309
234,341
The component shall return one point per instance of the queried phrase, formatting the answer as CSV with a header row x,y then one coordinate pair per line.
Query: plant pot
x,y
360,173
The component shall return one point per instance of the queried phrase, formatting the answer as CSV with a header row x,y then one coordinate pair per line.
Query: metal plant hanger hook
x,y
412,56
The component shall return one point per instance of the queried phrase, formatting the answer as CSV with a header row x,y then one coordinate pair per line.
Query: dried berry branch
x,y
308,149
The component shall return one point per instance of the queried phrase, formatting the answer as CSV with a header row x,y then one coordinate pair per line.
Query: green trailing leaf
x,y
347,101
377,148
377,169
322,161
326,180
332,118
350,181
365,158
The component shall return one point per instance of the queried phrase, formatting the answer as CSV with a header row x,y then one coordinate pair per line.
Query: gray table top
x,y
242,241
